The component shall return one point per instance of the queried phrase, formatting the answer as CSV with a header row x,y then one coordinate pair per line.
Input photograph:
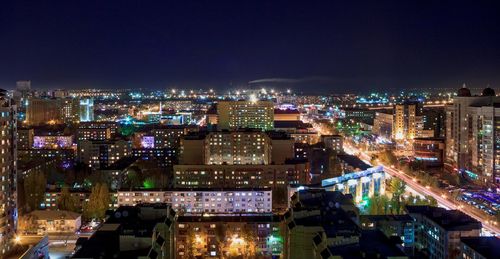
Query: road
x,y
441,198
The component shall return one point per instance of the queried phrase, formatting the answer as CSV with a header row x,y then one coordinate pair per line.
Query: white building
x,y
218,201
473,134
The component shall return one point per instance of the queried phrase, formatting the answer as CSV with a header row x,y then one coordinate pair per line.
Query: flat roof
x,y
488,247
450,220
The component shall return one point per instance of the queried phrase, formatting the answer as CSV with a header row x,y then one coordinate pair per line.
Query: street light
x,y
17,239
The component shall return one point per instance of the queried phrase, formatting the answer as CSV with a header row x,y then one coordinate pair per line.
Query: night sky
x,y
320,45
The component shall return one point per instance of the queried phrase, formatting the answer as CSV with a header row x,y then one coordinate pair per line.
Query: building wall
x,y
192,151
236,231
383,125
25,138
282,149
99,154
211,201
43,111
239,147
58,226
245,114
471,131
239,176
310,138
8,174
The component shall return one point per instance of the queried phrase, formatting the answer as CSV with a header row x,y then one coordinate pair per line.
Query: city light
x,y
250,130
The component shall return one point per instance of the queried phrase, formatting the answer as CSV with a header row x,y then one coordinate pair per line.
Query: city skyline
x,y
319,47
258,129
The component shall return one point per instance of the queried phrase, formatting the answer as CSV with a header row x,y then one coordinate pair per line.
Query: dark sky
x,y
336,46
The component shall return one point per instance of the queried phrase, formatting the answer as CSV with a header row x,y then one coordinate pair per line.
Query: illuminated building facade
x,y
383,125
96,130
429,150
86,109
472,135
439,230
164,156
264,231
43,111
334,142
25,138
245,114
168,136
52,141
248,146
310,138
237,147
408,121
65,154
198,201
102,153
69,110
361,185
8,173
286,115
240,176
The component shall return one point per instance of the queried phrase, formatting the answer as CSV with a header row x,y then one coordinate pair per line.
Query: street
x,y
441,198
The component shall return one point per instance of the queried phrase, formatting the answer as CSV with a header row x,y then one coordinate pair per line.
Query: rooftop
x,y
489,247
353,161
372,244
450,220
292,124
54,214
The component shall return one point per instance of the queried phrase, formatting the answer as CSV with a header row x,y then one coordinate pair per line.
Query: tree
x,y
34,190
388,157
280,197
334,167
66,201
417,200
98,203
379,205
249,244
27,224
134,177
221,238
397,187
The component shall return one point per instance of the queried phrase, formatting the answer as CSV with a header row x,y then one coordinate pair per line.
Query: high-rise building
x,y
8,172
434,122
242,147
25,138
102,153
43,111
87,109
69,110
96,130
408,121
21,95
473,135
237,147
23,85
245,114
168,136
383,125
